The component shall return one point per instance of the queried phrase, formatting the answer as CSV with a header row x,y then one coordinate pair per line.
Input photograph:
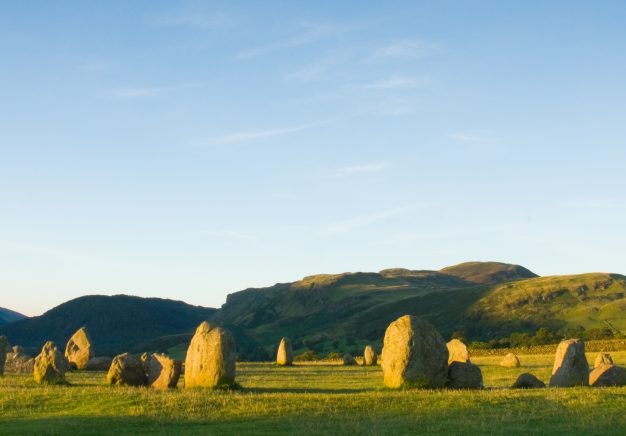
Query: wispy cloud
x,y
263,134
230,234
398,82
150,91
590,203
361,168
193,19
346,226
311,34
405,49
470,136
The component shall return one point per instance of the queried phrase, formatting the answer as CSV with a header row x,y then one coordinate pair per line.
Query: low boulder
x,y
369,356
78,349
510,361
4,349
50,366
126,370
414,354
161,371
101,363
464,375
603,359
570,365
348,360
17,361
284,355
457,352
527,381
210,360
607,375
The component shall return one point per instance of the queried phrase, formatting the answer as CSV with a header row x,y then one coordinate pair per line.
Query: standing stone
x,y
210,360
603,359
126,370
284,355
101,363
78,349
18,361
527,381
414,354
162,371
50,366
457,352
607,375
464,375
570,365
348,360
510,361
4,348
369,356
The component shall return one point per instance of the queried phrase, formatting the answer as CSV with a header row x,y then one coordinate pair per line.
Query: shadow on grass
x,y
262,390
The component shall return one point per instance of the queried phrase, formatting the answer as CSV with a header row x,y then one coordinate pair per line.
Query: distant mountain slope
x,y
116,324
8,316
489,273
593,300
319,310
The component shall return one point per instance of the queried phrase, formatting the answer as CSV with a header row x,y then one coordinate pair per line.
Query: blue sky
x,y
192,149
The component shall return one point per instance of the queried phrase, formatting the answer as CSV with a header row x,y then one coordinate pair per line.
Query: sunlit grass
x,y
314,399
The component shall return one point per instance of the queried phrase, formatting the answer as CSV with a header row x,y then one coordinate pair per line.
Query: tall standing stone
x,y
414,354
126,370
78,349
570,365
369,356
284,355
4,348
510,361
457,352
50,366
161,371
210,360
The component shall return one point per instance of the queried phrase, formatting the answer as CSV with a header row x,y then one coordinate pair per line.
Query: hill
x,y
116,324
484,300
8,316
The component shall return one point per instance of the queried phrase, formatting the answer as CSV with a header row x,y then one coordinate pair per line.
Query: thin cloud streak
x,y
264,134
405,49
346,226
360,169
139,91
398,82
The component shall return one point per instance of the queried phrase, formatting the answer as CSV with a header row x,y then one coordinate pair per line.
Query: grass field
x,y
314,399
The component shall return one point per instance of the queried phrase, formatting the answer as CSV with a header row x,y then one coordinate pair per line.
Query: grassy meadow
x,y
316,398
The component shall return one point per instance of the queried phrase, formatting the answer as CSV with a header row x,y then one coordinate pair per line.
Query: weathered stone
x,y
414,354
457,352
162,371
126,370
4,349
348,360
284,355
510,361
603,359
570,364
50,366
101,363
210,358
607,375
527,381
464,375
369,356
18,361
78,349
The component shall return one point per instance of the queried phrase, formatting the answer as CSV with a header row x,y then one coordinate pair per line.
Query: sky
x,y
191,149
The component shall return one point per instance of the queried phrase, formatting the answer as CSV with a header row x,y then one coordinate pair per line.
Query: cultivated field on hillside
x,y
314,399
